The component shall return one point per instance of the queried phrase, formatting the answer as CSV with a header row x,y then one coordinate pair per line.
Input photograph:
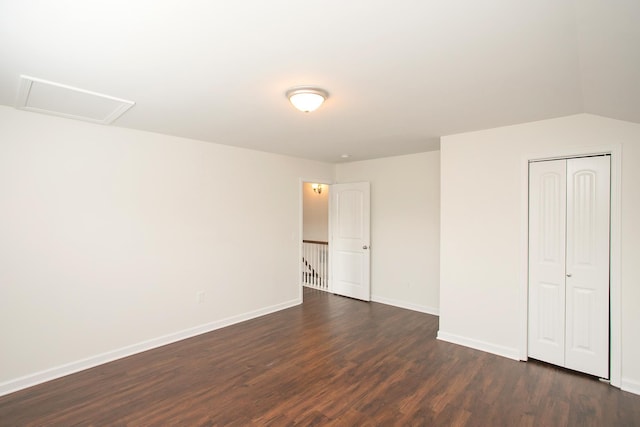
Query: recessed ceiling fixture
x,y
345,156
307,98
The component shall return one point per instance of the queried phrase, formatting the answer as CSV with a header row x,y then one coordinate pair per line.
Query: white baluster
x,y
315,263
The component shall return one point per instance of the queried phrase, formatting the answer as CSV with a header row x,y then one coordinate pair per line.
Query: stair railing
x,y
315,265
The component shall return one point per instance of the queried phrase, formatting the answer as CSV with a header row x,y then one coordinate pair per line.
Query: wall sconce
x,y
317,188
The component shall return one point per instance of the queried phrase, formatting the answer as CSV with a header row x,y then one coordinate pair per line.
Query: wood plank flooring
x,y
332,361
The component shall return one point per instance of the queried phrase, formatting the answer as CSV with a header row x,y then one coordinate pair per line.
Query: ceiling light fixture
x,y
307,98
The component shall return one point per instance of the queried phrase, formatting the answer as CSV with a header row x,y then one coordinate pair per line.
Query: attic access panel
x,y
42,96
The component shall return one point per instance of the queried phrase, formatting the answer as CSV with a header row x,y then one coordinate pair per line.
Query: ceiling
x,y
400,74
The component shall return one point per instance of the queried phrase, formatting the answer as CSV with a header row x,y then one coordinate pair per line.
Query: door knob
x,y
365,247
568,274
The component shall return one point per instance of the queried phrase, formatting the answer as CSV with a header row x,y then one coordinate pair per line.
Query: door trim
x,y
615,363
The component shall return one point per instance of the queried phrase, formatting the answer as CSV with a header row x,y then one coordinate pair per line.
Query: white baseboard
x,y
509,353
403,304
109,356
632,386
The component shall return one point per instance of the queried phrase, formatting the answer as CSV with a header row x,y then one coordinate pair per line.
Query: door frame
x,y
615,150
301,182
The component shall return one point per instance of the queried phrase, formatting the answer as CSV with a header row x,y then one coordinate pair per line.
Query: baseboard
x,y
407,305
509,353
91,362
631,386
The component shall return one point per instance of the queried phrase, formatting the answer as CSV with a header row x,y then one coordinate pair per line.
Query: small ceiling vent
x,y
42,96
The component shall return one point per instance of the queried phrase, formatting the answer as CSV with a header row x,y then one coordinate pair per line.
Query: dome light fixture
x,y
307,98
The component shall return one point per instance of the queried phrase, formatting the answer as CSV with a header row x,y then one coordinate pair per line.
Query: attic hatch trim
x,y
26,90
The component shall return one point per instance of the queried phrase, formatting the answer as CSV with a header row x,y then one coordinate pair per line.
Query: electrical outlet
x,y
200,297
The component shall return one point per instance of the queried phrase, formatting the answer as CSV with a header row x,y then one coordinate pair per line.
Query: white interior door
x,y
349,210
569,263
587,271
547,225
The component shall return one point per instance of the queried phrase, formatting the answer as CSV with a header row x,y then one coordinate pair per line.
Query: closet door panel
x,y
587,270
547,213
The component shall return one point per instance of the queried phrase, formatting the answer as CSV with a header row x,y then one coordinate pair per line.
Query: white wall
x,y
405,222
108,234
315,223
481,229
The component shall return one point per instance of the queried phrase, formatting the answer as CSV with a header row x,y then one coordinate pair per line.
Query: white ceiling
x,y
400,74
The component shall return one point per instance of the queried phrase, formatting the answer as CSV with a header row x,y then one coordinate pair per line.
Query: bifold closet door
x,y
587,271
547,255
569,202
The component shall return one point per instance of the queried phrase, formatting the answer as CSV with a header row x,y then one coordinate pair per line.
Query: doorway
x,y
315,236
335,246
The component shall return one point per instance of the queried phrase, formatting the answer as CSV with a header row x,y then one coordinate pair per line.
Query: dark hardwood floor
x,y
331,361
